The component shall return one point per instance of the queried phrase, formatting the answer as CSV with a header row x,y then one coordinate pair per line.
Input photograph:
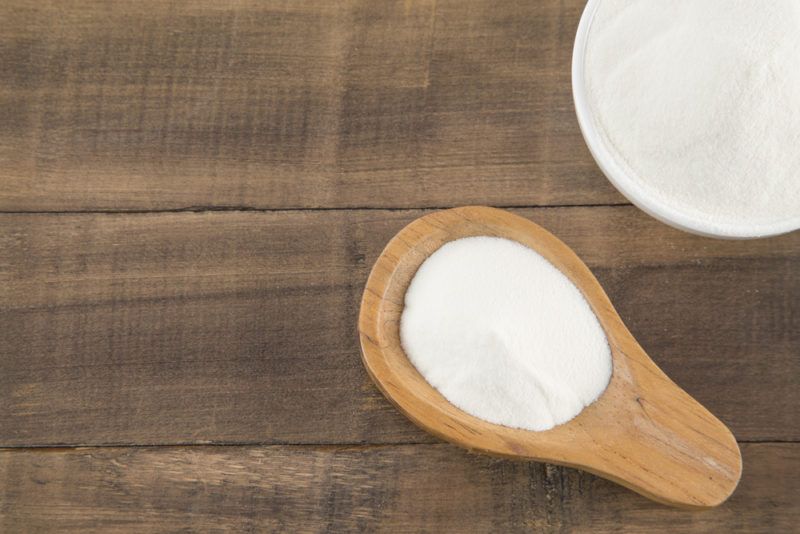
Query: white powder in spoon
x,y
699,102
503,334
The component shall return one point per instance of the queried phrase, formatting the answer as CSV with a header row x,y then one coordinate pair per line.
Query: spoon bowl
x,y
644,432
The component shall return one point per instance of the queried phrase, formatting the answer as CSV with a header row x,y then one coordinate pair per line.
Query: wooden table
x,y
192,195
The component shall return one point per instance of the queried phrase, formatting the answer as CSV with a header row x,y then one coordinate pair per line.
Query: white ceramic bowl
x,y
629,187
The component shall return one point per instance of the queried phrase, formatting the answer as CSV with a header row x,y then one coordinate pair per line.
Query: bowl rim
x,y
620,179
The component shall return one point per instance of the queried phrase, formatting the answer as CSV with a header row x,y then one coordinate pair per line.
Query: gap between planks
x,y
273,445
235,209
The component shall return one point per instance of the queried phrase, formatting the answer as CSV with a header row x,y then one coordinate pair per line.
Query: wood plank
x,y
241,326
412,488
110,105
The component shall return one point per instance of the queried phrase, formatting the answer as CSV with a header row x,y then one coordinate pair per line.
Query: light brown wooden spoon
x,y
644,432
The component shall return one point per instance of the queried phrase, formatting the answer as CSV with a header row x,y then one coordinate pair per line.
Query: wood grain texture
x,y
417,488
643,432
241,326
108,105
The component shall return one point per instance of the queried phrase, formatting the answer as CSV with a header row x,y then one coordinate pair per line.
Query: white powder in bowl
x,y
698,101
504,335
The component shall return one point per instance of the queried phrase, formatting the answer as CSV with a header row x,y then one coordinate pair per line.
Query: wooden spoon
x,y
644,432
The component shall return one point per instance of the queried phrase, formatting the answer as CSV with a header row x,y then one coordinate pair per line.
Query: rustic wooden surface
x,y
154,105
430,488
241,327
266,151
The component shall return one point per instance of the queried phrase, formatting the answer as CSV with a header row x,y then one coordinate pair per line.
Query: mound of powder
x,y
504,335
698,101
